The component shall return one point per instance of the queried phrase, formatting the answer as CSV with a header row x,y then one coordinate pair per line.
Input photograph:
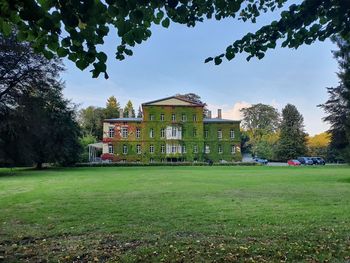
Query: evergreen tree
x,y
112,108
129,108
338,105
139,113
292,141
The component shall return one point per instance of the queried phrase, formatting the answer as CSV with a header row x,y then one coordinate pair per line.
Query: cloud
x,y
234,112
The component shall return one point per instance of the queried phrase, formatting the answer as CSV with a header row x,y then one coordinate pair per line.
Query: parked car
x,y
305,160
318,160
260,160
293,162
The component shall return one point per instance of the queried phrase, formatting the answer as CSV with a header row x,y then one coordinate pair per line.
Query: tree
x,y
129,110
112,108
292,141
74,29
139,113
91,121
338,105
318,145
260,119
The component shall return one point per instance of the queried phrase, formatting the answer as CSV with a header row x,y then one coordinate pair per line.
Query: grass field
x,y
188,214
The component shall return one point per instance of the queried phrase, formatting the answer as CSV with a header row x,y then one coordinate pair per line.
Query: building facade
x,y
172,129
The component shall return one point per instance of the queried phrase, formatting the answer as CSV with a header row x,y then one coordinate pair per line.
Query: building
x,y
172,129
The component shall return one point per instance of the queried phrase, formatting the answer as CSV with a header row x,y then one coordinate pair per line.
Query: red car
x,y
293,162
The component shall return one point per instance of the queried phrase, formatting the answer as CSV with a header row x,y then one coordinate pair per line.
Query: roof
x,y
98,145
174,101
216,120
124,120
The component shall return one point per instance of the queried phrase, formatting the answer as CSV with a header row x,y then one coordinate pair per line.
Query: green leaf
x,y
208,60
101,56
82,64
217,60
62,52
166,22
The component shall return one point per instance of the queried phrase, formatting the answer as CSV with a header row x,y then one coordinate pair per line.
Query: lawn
x,y
188,214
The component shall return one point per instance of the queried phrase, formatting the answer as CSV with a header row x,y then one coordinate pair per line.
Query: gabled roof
x,y
217,120
124,120
173,101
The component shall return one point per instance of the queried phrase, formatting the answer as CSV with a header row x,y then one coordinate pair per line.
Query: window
x,y
232,134
206,133
162,148
138,149
194,117
151,133
173,148
220,149
151,117
111,132
207,149
173,117
173,131
138,132
151,148
162,160
110,148
124,132
125,149
194,132
220,134
151,160
183,148
162,117
184,117
233,149
195,149
162,133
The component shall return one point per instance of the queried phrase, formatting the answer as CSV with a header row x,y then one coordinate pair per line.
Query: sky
x,y
172,62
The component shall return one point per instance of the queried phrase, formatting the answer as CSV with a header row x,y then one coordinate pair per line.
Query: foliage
x,y
84,142
74,29
292,141
129,110
337,106
266,147
37,124
112,108
318,145
91,121
176,214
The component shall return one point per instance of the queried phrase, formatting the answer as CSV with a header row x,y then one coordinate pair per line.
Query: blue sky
x,y
171,62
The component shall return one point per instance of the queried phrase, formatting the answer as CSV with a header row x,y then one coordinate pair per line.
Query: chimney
x,y
120,113
130,114
219,113
209,114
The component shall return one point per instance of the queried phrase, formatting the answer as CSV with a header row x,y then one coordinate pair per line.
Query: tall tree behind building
x,y
129,110
112,108
292,141
337,106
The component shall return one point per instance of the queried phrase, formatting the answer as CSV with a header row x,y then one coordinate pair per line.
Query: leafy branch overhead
x,y
74,29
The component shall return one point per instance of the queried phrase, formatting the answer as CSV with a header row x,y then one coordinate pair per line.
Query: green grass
x,y
190,214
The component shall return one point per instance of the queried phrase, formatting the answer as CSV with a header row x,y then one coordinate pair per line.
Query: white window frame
x,y
162,148
151,160
111,131
151,148
173,132
220,150
173,117
173,148
183,117
232,133
124,132
233,149
219,134
195,149
162,116
206,134
151,133
207,149
162,133
110,148
184,148
125,149
151,117
138,133
138,149
194,117
194,132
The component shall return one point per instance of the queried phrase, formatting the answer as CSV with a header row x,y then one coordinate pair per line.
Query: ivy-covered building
x,y
172,129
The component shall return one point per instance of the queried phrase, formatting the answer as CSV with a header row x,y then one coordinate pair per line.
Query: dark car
x,y
293,163
305,160
260,160
318,160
